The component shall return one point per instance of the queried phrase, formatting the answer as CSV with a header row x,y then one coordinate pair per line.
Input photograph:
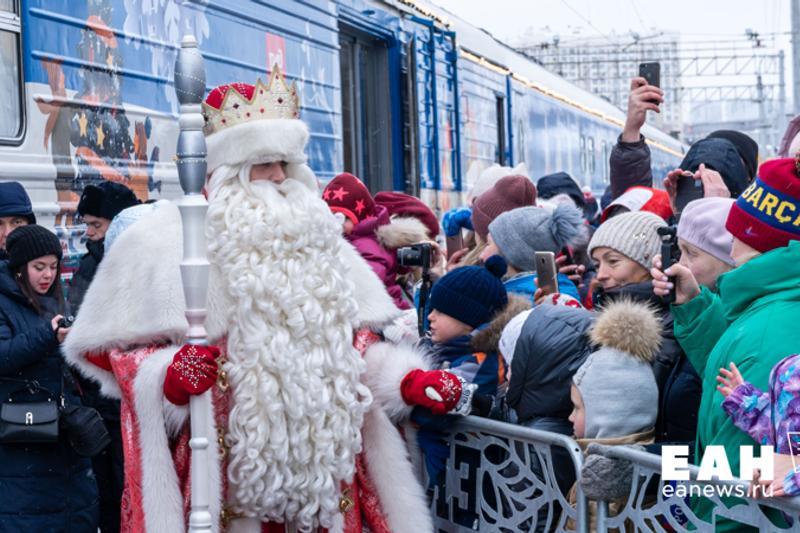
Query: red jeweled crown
x,y
237,103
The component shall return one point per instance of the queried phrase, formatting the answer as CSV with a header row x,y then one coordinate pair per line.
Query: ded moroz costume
x,y
304,410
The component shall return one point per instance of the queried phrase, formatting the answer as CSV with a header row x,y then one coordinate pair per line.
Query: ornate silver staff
x,y
190,87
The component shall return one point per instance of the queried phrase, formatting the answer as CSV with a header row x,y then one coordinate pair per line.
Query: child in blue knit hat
x,y
469,309
462,302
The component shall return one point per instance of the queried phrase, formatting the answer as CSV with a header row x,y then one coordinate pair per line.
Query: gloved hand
x,y
193,371
456,219
437,390
605,478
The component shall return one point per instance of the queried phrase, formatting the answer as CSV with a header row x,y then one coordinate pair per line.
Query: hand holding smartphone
x,y
546,273
651,72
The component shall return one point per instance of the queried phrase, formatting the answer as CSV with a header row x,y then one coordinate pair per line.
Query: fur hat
x,y
522,232
26,243
346,194
616,382
254,124
106,199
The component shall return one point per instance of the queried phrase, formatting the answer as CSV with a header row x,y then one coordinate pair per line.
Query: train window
x,y
606,154
11,110
366,115
591,155
582,152
501,130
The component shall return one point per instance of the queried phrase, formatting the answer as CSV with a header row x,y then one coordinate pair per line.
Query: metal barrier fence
x,y
505,478
648,509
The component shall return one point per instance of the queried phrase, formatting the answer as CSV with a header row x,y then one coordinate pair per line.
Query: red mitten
x,y
438,390
193,371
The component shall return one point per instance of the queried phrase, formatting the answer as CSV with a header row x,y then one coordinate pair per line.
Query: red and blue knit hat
x,y
472,294
767,214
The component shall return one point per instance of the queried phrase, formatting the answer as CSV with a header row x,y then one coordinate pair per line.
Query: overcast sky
x,y
695,19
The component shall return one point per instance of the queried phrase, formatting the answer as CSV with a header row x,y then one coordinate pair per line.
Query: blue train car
x,y
401,93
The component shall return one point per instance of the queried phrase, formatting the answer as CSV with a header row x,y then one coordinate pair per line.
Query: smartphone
x,y
546,272
688,190
670,254
651,72
454,244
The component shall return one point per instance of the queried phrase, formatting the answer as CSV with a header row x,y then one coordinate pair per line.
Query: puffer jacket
x,y
44,487
679,384
553,344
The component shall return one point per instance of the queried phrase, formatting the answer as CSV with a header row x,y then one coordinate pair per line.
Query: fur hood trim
x,y
137,298
630,327
488,339
402,231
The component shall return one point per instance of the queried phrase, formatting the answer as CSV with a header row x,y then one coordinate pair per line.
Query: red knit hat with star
x,y
347,194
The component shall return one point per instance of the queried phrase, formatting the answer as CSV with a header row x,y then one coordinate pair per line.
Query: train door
x,y
435,58
366,108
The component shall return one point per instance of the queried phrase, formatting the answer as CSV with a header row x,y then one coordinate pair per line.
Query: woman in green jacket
x,y
752,320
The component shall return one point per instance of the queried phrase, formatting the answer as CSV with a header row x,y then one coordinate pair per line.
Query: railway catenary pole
x,y
190,87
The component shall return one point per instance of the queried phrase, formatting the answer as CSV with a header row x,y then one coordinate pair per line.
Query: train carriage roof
x,y
479,45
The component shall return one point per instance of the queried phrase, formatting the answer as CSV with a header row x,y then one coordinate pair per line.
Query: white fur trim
x,y
375,307
162,500
136,296
260,141
402,231
390,469
387,365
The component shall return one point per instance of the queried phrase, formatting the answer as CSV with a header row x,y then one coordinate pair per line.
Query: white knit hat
x,y
510,336
634,235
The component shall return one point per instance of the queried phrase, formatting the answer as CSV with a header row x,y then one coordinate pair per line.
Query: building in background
x,y
605,66
725,83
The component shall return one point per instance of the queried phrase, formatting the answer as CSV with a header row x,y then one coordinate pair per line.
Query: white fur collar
x,y
137,295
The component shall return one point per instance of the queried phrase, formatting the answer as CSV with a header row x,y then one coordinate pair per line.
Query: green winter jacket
x,y
752,322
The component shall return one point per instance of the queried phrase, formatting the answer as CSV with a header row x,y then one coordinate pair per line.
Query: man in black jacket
x,y
15,211
98,205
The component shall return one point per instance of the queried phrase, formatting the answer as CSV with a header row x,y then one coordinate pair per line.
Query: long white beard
x,y
298,404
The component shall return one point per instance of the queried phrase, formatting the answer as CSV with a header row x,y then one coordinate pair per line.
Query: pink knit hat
x,y
507,194
702,225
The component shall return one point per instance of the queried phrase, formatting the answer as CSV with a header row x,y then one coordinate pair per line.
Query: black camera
x,y
66,322
417,255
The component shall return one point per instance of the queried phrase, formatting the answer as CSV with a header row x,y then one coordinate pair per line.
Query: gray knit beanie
x,y
619,392
522,232
616,382
634,235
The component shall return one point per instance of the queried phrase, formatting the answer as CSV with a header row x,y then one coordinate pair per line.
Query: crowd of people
x,y
336,317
